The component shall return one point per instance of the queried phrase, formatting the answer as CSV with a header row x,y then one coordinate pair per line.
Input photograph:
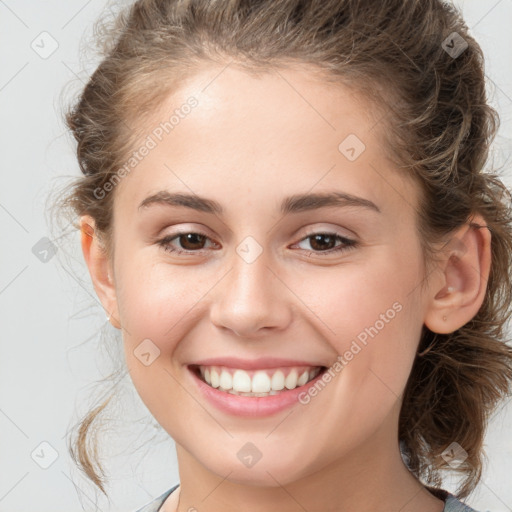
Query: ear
x,y
100,268
459,289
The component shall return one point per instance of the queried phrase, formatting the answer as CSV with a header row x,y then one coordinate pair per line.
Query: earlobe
x,y
457,295
99,265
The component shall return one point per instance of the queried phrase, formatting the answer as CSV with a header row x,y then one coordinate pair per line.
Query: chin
x,y
273,471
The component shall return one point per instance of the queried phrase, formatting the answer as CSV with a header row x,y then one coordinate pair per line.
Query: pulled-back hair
x,y
438,128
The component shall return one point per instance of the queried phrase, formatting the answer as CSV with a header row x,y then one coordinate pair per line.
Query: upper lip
x,y
253,364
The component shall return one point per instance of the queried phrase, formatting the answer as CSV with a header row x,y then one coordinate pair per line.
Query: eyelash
x,y
347,243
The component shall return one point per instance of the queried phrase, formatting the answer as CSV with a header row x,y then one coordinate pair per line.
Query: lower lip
x,y
259,406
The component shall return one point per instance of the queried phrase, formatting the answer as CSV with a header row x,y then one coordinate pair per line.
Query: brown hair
x,y
439,129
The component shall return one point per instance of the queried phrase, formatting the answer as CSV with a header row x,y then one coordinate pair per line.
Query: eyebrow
x,y
293,204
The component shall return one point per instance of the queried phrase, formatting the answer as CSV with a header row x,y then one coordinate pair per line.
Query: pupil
x,y
317,237
189,237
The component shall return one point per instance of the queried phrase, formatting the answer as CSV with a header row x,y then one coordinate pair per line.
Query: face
x,y
252,284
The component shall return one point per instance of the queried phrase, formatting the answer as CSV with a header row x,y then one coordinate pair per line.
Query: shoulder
x,y
154,505
452,504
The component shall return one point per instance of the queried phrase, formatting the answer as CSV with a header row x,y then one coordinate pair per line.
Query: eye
x,y
322,243
191,241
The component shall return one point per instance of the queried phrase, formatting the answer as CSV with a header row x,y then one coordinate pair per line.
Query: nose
x,y
251,299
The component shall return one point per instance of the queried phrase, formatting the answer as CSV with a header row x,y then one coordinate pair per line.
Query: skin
x,y
249,143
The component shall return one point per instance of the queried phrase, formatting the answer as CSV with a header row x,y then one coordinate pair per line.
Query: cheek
x,y
154,298
372,317
374,325
363,301
156,307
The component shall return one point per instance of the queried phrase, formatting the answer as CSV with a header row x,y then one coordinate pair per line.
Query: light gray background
x,y
51,320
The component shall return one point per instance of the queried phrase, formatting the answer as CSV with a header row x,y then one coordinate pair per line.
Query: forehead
x,y
277,133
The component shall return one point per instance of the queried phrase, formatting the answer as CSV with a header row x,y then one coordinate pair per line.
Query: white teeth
x,y
259,383
291,380
314,373
215,378
225,380
242,381
302,379
278,381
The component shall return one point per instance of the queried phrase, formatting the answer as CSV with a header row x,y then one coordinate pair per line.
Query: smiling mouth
x,y
257,383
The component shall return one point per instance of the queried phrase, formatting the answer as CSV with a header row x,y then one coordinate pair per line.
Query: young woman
x,y
284,210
